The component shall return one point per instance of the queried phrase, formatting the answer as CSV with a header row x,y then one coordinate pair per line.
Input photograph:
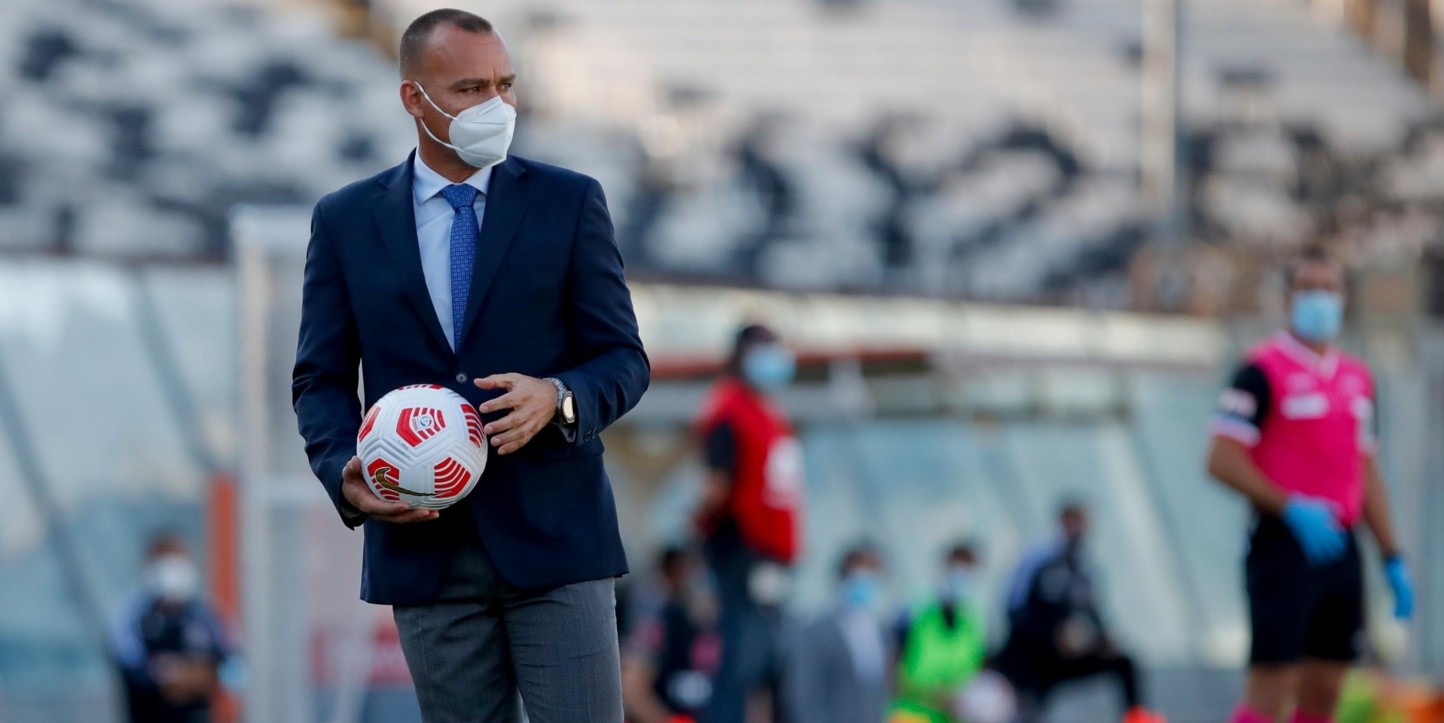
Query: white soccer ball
x,y
423,445
987,699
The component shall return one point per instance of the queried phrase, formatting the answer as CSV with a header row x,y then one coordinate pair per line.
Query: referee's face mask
x,y
1317,315
1316,301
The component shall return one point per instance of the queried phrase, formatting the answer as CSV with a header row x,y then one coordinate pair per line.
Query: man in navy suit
x,y
500,278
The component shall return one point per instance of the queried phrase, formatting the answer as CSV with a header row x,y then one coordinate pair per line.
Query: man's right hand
x,y
1316,527
359,494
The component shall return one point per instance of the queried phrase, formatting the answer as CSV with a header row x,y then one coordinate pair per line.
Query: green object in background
x,y
904,711
939,660
1360,702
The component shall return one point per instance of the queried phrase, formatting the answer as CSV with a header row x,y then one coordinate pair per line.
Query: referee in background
x,y
1295,435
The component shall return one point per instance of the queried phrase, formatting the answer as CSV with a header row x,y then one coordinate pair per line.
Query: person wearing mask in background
x,y
1295,436
942,644
1056,631
167,642
840,667
673,649
750,518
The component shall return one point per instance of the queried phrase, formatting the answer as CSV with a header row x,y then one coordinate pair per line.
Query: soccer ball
x,y
423,445
987,699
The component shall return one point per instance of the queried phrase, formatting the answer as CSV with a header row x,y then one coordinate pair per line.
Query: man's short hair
x,y
672,556
1310,255
1074,504
748,335
964,548
858,554
413,41
165,542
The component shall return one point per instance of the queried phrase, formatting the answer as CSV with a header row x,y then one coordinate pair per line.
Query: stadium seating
x,y
131,128
986,82
986,149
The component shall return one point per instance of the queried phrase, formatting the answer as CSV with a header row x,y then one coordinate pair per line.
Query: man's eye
x,y
507,86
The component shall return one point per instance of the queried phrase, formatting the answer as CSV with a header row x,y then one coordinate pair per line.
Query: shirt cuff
x,y
569,431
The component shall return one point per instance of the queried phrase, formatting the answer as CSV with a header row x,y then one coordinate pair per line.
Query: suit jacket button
x,y
460,378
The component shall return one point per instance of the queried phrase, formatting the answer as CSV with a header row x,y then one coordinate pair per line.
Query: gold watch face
x,y
569,409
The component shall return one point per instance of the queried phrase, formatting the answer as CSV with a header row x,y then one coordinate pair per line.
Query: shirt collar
x,y
426,183
1308,358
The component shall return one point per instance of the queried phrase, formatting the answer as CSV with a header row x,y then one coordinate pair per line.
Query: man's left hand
x,y
532,401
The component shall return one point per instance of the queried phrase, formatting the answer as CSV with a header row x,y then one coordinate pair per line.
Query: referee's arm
x,y
1229,462
1376,509
721,453
1236,429
1376,498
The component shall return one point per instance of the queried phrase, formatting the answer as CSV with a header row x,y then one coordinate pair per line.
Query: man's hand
x,y
358,493
532,401
183,679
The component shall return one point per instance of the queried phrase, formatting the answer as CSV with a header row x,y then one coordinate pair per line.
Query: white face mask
x,y
173,578
480,134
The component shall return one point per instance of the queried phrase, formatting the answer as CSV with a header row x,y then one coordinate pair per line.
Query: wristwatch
x,y
566,404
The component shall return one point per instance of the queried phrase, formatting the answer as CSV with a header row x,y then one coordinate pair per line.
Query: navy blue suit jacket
x,y
547,299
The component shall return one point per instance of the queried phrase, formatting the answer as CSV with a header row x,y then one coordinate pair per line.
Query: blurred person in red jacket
x,y
750,518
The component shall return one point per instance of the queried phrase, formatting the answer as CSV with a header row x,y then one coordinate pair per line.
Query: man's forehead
x,y
1318,272
454,50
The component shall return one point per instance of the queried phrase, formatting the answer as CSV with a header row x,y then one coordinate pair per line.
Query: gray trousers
x,y
472,652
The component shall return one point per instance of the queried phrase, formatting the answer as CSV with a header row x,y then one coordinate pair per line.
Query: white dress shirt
x,y
433,233
864,637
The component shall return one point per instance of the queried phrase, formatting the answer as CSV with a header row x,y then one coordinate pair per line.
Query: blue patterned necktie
x,y
464,231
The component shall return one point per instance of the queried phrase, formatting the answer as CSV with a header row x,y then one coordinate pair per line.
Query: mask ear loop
x,y
426,128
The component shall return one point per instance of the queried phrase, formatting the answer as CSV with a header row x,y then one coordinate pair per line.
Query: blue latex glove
x,y
1398,574
1316,528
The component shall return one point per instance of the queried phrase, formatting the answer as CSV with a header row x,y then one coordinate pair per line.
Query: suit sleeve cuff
x,y
569,431
350,515
585,427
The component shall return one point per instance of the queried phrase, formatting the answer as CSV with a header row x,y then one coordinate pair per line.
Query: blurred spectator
x,y
673,650
167,641
942,643
1057,632
839,669
750,517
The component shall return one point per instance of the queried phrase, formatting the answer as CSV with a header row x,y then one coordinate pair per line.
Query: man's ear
x,y
411,99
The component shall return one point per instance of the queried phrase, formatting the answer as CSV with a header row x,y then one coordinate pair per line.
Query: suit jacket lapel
x,y
506,201
396,220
